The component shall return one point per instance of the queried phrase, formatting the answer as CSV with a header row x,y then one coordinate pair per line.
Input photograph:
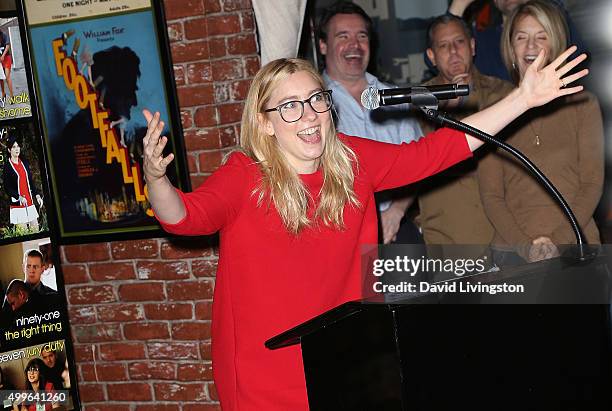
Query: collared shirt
x,y
390,124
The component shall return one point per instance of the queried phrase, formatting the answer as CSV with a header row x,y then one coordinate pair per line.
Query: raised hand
x,y
543,84
154,163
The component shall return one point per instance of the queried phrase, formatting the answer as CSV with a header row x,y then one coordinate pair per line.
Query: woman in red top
x,y
294,206
35,382
19,186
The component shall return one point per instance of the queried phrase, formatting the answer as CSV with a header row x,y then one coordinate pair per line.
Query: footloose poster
x,y
96,65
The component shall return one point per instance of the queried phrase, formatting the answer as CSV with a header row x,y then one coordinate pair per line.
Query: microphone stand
x,y
581,252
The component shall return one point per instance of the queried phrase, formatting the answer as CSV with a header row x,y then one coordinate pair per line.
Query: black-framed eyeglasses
x,y
292,111
33,368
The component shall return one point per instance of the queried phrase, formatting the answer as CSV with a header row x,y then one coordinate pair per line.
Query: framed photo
x,y
96,65
35,340
23,177
14,91
23,209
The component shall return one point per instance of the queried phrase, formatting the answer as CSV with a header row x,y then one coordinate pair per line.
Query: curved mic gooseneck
x,y
427,100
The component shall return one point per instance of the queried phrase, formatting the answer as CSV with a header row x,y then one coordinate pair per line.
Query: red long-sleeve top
x,y
269,280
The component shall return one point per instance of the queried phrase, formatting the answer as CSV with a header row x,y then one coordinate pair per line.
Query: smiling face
x,y
301,142
33,374
451,50
528,38
347,47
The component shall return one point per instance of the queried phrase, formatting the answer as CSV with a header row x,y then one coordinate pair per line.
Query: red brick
x,y
197,181
247,21
202,139
173,350
217,47
199,73
230,69
91,294
179,75
112,271
196,28
127,250
163,270
183,8
146,291
134,391
212,392
222,94
87,372
82,315
111,372
201,407
191,290
146,331
86,253
228,137
203,310
192,163
205,351
242,44
239,89
180,249
83,353
251,66
188,52
120,312
207,117
180,392
152,370
91,392
196,95
97,333
74,274
175,32
186,119
224,24
194,372
204,268
106,407
233,5
212,6
169,311
210,161
191,331
157,407
122,351
230,113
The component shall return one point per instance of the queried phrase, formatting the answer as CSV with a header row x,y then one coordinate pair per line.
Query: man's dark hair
x,y
16,286
446,19
341,7
36,253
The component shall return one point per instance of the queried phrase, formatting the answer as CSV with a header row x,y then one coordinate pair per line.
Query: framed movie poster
x,y
96,65
23,180
35,350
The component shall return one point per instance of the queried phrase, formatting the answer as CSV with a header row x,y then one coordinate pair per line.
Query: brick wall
x,y
140,310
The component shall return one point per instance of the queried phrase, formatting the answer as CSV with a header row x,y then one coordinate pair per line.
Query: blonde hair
x,y
281,184
551,19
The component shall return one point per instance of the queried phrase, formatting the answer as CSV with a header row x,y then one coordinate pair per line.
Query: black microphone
x,y
372,98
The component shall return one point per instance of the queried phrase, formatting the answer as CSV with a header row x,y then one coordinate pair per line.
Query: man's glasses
x,y
292,111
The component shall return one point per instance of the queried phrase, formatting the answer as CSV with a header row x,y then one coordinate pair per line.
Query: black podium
x,y
549,350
